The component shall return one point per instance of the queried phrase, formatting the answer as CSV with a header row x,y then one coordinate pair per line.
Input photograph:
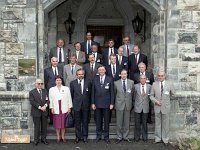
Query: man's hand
x,y
93,106
111,107
43,108
158,103
69,110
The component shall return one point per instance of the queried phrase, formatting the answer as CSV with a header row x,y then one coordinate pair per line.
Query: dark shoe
x,y
85,140
64,141
76,141
145,141
36,143
118,141
128,140
45,142
97,140
136,140
107,141
166,144
156,142
58,141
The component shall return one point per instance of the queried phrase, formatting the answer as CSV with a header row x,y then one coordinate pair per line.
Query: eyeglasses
x,y
40,83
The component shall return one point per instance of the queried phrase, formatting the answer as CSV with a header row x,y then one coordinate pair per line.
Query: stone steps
x,y
70,132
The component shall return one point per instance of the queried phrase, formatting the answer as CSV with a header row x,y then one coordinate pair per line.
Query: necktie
x,y
101,81
114,72
143,92
72,69
120,60
60,56
92,68
136,59
161,87
40,91
55,72
80,86
127,50
111,50
124,86
88,50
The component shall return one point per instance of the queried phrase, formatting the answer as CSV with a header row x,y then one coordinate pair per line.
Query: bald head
x,y
39,83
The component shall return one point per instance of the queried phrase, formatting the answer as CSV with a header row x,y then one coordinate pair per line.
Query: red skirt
x,y
59,119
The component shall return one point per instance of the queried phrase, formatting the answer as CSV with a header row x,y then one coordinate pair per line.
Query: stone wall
x,y
183,20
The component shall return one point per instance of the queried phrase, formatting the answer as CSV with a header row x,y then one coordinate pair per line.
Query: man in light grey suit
x,y
128,48
161,93
141,108
124,92
80,55
69,71
60,52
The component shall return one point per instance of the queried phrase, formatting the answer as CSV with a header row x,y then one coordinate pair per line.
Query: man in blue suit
x,y
108,51
102,102
122,60
81,94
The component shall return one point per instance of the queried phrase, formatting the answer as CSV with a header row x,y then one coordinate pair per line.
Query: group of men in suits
x,y
116,77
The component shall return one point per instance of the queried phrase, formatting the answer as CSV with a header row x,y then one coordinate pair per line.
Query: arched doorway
x,y
155,41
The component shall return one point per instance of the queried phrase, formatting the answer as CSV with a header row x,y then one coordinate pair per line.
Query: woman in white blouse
x,y
60,104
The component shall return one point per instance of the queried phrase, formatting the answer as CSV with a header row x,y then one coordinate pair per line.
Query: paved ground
x,y
89,146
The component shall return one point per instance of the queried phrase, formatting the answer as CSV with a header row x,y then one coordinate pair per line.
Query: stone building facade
x,y
29,28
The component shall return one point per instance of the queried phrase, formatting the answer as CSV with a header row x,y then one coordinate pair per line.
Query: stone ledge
x,y
187,94
14,95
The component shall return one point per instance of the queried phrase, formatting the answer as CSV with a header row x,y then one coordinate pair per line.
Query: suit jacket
x,y
65,97
88,73
149,75
36,101
49,77
103,96
141,102
168,91
67,74
79,99
123,100
124,62
118,70
53,53
105,54
130,49
133,68
84,46
81,57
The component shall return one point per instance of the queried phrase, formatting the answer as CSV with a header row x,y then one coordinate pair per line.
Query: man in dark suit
x,y
51,72
87,44
108,51
60,52
91,67
98,56
134,59
113,70
102,102
142,70
149,80
81,96
39,101
122,60
49,77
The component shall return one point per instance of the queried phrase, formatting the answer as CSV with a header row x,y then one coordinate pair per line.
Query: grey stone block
x,y
10,123
12,14
16,2
8,36
10,110
24,124
191,119
15,48
10,73
184,38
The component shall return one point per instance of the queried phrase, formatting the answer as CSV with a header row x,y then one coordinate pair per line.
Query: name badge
x,y
98,60
129,91
166,93
147,81
47,98
87,89
125,64
107,87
